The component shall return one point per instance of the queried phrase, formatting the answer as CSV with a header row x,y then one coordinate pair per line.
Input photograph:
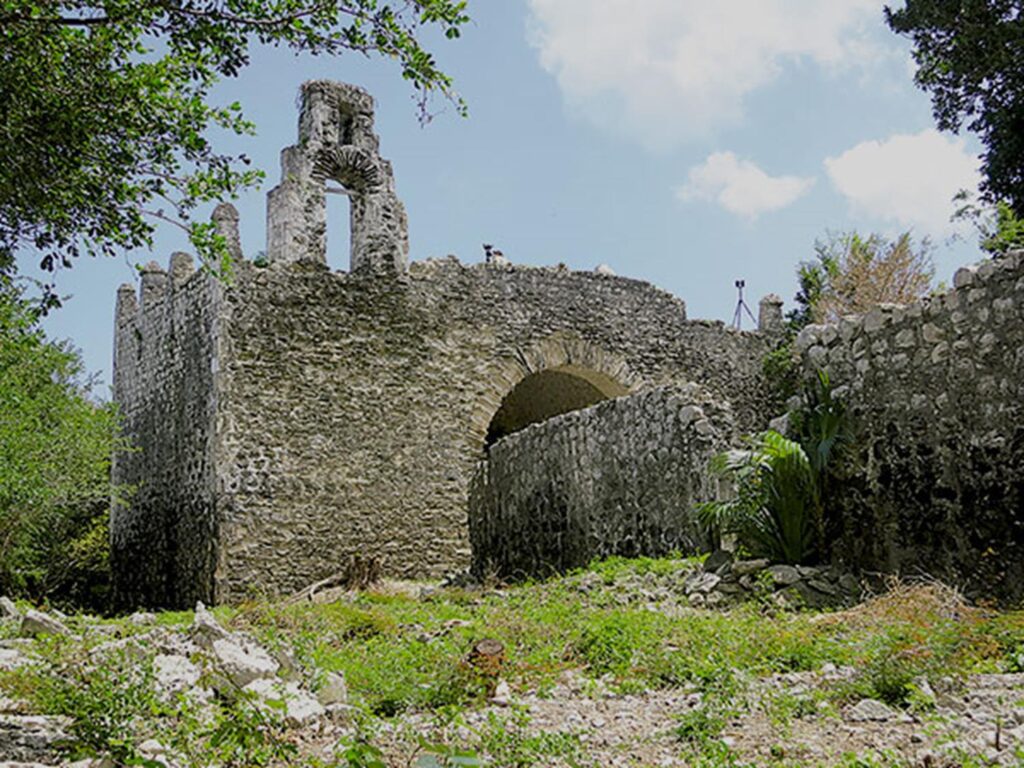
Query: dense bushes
x,y
55,450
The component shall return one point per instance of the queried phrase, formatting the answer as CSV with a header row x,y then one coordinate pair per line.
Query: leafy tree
x,y
999,228
850,274
968,54
55,451
105,114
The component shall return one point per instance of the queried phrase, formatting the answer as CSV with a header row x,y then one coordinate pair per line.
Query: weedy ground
x,y
417,698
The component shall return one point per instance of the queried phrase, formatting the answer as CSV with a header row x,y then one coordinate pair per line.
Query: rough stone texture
x,y
164,541
8,610
299,707
620,478
28,739
35,623
242,662
297,417
935,391
337,143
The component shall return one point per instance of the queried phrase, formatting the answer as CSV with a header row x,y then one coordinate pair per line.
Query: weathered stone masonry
x,y
936,389
618,478
165,381
297,416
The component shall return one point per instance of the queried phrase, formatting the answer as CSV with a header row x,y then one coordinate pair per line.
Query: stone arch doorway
x,y
553,376
550,392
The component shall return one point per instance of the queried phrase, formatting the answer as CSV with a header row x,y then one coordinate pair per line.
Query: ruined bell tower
x,y
337,144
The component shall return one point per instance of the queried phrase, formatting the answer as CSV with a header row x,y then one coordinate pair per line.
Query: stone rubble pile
x,y
202,662
723,581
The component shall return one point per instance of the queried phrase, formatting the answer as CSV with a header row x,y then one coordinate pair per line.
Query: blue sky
x,y
678,141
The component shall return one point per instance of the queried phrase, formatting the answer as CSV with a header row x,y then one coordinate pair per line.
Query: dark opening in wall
x,y
549,393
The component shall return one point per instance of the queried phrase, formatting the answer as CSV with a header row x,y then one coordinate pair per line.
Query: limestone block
x,y
300,707
333,691
965,276
783,575
205,628
931,333
243,663
35,623
867,710
876,319
173,673
906,338
8,610
808,337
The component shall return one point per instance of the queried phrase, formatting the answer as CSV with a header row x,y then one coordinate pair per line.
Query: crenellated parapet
x,y
165,384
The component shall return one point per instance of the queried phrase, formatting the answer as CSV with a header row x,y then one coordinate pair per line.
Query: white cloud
x,y
908,179
740,186
663,71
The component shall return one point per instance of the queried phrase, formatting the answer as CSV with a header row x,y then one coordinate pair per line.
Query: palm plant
x,y
769,512
781,484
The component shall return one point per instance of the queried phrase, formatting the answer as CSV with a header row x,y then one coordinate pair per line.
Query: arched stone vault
x,y
607,372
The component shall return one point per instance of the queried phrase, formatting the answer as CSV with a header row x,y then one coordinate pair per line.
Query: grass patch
x,y
400,654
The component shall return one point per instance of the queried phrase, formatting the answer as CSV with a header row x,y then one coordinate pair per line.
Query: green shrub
x,y
781,370
782,484
55,450
772,511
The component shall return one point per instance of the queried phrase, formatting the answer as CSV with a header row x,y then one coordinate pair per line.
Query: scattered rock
x,y
717,559
174,673
142,619
31,738
702,583
333,691
747,567
870,710
822,586
206,629
11,658
243,664
502,695
8,610
35,623
784,575
849,584
288,665
300,708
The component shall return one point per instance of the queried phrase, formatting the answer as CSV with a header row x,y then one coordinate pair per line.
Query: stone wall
x,y
619,478
354,411
294,417
935,482
164,538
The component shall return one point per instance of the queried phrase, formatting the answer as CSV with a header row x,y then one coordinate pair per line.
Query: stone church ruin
x,y
435,414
